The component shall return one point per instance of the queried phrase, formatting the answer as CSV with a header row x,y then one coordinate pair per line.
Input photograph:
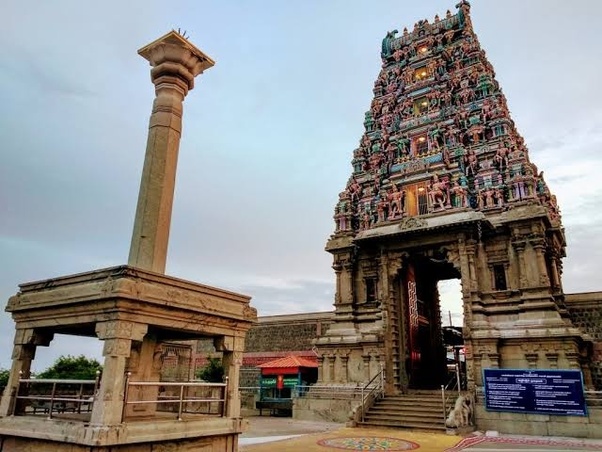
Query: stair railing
x,y
453,383
372,391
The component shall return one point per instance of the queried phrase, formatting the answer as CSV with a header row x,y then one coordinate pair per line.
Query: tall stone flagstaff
x,y
175,63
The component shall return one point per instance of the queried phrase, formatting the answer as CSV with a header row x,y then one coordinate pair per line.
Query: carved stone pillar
x,y
551,257
366,362
532,359
117,336
573,359
144,364
348,295
344,372
320,359
470,251
24,350
494,360
552,359
331,361
539,246
232,348
344,298
337,267
519,248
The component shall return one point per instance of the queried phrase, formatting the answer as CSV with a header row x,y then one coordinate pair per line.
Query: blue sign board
x,y
558,392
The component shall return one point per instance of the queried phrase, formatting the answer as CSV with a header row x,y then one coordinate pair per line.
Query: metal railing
x,y
193,397
53,395
449,390
372,391
338,392
593,398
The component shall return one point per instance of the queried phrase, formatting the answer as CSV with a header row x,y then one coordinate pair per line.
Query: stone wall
x,y
282,333
272,337
323,409
541,424
585,310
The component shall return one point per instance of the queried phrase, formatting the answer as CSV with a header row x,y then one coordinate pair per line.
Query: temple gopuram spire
x,y
438,136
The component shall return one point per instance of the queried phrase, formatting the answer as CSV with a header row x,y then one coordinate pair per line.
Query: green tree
x,y
72,367
4,374
213,372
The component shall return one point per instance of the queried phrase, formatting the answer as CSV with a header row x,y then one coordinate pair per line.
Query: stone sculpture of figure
x,y
451,135
489,202
387,44
403,146
471,163
449,35
446,156
499,197
408,76
462,117
486,110
435,137
476,132
354,190
464,15
460,195
396,200
369,122
501,158
381,208
434,98
438,192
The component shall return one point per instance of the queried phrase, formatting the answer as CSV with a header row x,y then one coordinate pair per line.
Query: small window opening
x,y
370,289
499,276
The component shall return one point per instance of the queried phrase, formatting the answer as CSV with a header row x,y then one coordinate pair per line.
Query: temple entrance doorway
x,y
423,341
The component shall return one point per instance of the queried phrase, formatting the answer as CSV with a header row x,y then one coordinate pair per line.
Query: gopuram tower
x,y
442,187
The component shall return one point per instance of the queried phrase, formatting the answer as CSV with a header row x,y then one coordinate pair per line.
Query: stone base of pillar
x,y
226,443
213,435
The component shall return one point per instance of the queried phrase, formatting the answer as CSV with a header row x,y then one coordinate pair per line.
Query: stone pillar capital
x,y
119,329
117,348
30,336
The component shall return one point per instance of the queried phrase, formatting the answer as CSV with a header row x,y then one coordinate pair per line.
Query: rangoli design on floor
x,y
368,443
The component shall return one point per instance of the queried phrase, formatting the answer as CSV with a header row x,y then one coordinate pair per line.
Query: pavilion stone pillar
x,y
232,348
176,62
117,336
24,349
144,364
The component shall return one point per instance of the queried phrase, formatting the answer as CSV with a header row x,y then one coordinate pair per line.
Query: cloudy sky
x,y
268,134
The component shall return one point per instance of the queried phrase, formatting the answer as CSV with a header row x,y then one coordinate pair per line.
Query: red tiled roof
x,y
253,359
290,361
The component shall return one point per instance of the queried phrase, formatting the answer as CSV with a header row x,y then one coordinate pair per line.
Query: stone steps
x,y
417,410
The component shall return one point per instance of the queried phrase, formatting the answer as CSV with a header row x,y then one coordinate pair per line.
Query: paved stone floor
x,y
271,434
